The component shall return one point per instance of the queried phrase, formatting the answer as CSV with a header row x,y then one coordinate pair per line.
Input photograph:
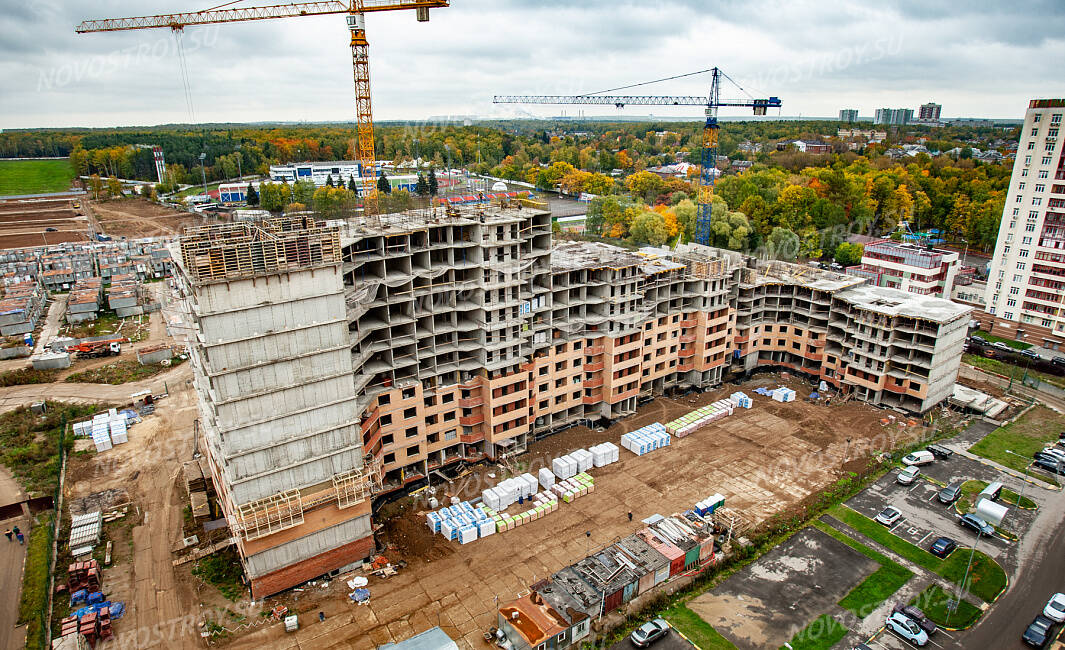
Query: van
x,y
991,491
921,457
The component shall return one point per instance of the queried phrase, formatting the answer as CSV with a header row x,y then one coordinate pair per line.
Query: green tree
x,y
422,187
649,227
114,187
329,181
303,192
433,186
252,197
782,244
146,190
728,229
384,186
686,212
849,254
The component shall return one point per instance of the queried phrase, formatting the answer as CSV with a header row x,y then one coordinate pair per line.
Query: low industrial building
x,y
911,267
21,307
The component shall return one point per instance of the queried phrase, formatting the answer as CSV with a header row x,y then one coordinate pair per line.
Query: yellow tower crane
x,y
354,9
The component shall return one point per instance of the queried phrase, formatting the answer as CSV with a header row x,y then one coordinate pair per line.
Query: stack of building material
x,y
542,503
462,522
708,505
584,459
532,485
646,439
741,400
118,430
564,467
572,488
784,394
85,531
604,454
83,429
547,478
101,433
699,418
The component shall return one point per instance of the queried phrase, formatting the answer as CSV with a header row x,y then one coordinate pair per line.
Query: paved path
x,y
12,557
51,323
13,397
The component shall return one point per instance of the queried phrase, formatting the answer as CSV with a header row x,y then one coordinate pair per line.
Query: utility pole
x,y
203,174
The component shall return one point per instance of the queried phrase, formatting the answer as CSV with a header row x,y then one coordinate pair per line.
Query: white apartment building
x,y
1027,280
910,267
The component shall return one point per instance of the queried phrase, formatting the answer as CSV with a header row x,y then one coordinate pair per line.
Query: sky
x,y
976,58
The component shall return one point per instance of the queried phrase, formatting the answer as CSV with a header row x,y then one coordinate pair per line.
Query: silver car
x,y
649,632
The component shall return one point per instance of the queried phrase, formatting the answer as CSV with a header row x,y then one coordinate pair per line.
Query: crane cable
x,y
185,75
647,83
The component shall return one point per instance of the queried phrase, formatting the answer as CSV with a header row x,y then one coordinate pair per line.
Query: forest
x,y
809,201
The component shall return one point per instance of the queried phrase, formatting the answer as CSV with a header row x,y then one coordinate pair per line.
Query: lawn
x,y
877,587
991,338
987,579
933,602
1025,436
29,444
223,570
1010,370
696,629
24,376
33,601
823,633
1008,498
34,176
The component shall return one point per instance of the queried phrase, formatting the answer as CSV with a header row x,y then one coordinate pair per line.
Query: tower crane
x,y
355,11
712,103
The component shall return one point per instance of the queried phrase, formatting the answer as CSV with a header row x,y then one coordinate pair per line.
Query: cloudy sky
x,y
977,58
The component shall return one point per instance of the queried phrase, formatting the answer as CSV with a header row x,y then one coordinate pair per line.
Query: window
x,y
1029,228
1005,250
451,434
408,393
1020,266
411,432
1016,212
386,420
1042,173
1020,185
1035,131
430,419
1036,118
409,413
1046,160
1017,277
1037,201
1055,118
1024,252
449,416
389,458
384,399
1024,172
447,397
1040,187
1033,214
1026,241
1009,237
430,401
1014,291
1018,199
1031,145
1027,160
1008,315
1052,133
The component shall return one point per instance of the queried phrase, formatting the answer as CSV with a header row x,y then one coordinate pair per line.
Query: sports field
x,y
34,176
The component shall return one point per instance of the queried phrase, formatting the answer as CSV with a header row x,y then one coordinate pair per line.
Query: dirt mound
x,y
409,535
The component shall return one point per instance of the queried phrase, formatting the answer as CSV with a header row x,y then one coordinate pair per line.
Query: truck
x,y
95,349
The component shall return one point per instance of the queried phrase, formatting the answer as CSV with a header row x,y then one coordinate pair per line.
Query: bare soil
x,y
138,217
23,223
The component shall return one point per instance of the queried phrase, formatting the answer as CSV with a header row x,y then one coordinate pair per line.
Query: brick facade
x,y
295,574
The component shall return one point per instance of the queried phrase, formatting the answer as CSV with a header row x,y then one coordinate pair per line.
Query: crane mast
x,y
712,103
354,10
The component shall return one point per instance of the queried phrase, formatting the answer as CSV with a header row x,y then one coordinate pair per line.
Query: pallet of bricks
x,y
700,417
92,621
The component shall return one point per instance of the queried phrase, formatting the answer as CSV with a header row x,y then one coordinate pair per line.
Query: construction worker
x,y
630,516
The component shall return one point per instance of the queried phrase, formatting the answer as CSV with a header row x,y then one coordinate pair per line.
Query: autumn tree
x,y
649,227
782,244
849,254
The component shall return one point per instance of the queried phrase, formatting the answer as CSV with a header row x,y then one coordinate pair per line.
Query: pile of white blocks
x,y
741,400
784,394
105,429
564,467
463,523
547,478
646,439
584,459
571,488
510,491
604,454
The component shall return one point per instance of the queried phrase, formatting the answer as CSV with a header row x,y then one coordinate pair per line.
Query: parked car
x,y
1052,466
1058,361
51,229
1029,354
888,516
917,616
906,628
939,451
978,339
861,646
977,524
1055,609
908,475
1038,632
921,457
649,632
942,547
1002,346
950,494
1054,451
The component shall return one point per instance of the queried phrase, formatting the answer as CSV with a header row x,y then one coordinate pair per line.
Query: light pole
x,y
203,174
1026,466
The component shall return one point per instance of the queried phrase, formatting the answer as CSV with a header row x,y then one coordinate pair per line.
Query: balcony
x,y
686,352
476,436
471,420
593,383
471,402
686,366
688,322
687,338
593,350
595,366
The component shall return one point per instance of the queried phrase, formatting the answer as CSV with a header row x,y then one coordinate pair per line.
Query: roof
x,y
432,639
575,255
896,302
533,618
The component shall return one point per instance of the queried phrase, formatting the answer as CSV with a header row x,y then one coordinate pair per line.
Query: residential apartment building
x,y
409,342
1027,276
894,116
911,267
929,112
848,115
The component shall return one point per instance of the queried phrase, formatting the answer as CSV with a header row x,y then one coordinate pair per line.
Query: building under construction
x,y
332,365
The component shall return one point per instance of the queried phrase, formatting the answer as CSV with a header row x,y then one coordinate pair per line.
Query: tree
x,y
114,187
303,192
351,184
645,185
849,254
384,186
782,244
146,190
433,187
329,181
422,187
252,197
334,202
728,229
686,212
649,227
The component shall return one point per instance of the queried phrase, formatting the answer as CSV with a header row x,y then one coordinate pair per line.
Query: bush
x,y
224,571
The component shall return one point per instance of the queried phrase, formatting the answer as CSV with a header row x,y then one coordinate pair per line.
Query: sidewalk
x,y
12,559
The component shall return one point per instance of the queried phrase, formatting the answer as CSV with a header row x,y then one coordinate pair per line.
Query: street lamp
x,y
203,174
1026,466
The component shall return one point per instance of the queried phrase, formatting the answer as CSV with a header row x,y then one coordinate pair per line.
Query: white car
x,y
1055,609
888,516
906,628
908,476
921,457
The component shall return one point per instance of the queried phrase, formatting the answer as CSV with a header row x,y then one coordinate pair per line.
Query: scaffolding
x,y
270,514
358,485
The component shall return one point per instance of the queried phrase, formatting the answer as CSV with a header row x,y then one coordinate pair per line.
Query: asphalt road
x,y
1041,574
12,557
673,641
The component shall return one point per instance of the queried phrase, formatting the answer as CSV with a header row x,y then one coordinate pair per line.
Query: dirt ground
x,y
459,587
138,217
23,223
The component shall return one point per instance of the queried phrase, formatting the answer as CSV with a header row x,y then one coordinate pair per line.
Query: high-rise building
x,y
848,115
929,112
895,116
910,267
1027,279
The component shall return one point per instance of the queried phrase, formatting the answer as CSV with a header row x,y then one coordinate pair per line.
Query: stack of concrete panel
x,y
547,478
583,458
604,454
564,467
646,439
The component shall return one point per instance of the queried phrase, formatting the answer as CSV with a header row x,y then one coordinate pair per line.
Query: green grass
x,y
823,633
877,587
24,376
224,571
29,444
1010,370
987,578
971,488
35,176
34,597
991,338
1025,436
696,629
119,372
933,602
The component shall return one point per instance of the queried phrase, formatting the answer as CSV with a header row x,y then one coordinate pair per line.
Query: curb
x,y
684,636
1014,473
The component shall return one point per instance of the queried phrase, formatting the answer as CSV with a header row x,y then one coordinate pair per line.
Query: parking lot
x,y
672,641
886,640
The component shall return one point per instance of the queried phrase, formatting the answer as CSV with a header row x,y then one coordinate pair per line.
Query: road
x,y
12,557
12,397
51,323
